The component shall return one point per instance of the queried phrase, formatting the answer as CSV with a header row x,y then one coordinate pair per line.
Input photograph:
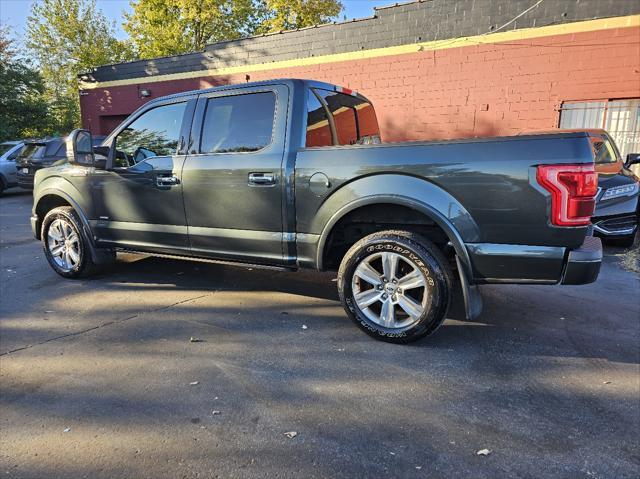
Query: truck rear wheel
x,y
395,285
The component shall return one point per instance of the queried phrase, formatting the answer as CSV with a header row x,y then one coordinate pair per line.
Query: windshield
x,y
4,147
604,151
32,151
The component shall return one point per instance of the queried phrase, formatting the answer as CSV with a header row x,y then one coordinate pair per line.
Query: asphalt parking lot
x,y
99,377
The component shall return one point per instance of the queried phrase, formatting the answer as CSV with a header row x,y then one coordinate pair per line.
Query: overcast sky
x,y
15,12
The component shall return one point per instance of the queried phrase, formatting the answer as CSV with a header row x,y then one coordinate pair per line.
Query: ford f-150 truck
x,y
292,174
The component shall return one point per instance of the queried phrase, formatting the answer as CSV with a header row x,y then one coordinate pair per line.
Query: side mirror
x,y
79,148
632,159
101,153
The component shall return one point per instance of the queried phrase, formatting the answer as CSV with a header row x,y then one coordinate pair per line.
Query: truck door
x,y
232,181
138,199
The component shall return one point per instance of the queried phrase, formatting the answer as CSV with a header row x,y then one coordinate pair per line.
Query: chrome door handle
x,y
262,179
167,180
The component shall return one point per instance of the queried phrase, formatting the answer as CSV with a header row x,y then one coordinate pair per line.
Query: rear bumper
x,y
506,263
502,263
25,180
583,263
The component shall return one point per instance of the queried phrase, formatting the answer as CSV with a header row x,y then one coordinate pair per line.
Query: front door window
x,y
154,133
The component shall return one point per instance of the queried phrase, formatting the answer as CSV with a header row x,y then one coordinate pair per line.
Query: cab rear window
x,y
335,118
318,128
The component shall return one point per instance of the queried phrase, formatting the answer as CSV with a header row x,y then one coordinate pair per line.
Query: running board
x,y
206,260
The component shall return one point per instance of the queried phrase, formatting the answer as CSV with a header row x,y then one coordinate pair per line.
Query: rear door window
x,y
238,123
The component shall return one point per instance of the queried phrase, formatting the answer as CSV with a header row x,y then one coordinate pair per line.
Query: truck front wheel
x,y
395,285
64,244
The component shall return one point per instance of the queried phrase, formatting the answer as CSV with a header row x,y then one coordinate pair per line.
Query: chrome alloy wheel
x,y
390,290
64,244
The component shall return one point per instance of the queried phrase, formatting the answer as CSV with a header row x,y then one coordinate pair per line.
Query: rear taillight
x,y
573,189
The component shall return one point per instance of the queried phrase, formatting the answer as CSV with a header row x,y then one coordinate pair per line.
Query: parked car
x,y
617,211
288,174
618,200
39,154
9,150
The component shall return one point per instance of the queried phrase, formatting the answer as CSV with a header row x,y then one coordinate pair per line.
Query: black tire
x,y
2,185
84,266
415,252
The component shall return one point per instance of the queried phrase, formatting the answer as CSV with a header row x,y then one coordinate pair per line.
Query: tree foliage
x,y
22,111
169,27
66,38
291,14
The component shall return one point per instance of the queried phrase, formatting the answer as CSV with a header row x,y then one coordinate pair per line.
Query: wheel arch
x,y
406,191
57,197
50,198
424,209
421,196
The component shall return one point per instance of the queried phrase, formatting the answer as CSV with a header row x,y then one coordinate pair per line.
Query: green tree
x,y
170,27
291,14
66,38
23,112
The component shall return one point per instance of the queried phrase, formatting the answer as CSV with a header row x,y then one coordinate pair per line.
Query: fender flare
x,y
96,255
449,211
428,211
404,190
65,196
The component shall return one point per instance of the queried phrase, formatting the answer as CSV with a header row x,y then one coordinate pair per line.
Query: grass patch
x,y
631,258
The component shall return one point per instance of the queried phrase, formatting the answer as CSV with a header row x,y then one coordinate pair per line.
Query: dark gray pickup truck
x,y
292,174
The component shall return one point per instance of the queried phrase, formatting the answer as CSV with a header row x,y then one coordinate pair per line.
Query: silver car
x,y
9,151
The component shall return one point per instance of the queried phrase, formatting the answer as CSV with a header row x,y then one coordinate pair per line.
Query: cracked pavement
x,y
547,378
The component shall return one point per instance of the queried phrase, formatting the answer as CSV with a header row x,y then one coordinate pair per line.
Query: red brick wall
x,y
480,90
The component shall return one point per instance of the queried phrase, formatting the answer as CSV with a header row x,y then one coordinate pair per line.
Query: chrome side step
x,y
206,260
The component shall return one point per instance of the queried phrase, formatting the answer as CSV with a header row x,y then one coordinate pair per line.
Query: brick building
x,y
433,68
